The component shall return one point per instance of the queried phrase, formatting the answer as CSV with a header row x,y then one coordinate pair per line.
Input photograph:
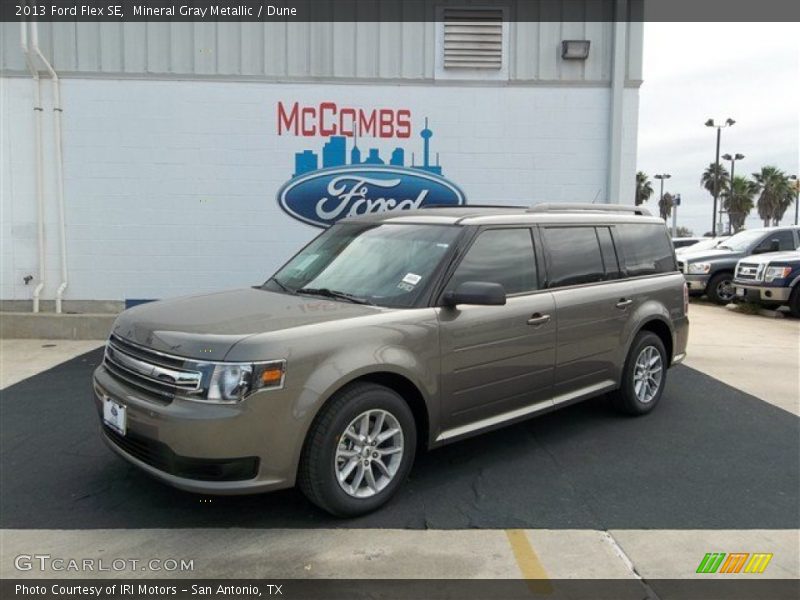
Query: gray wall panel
x,y
388,50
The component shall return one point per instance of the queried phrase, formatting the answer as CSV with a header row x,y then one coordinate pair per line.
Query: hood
x,y
706,254
769,257
209,325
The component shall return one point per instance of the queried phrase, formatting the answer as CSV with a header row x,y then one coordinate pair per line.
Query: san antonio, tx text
x,y
237,591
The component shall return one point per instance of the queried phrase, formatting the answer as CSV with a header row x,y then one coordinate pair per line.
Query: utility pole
x,y
676,202
710,123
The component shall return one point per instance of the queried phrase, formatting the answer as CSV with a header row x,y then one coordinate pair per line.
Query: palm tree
x,y
738,201
665,205
774,191
707,179
644,189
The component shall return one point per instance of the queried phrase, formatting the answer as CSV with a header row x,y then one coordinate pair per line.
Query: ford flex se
x,y
388,334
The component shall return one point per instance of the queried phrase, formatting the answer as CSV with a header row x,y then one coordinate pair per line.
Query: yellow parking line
x,y
528,562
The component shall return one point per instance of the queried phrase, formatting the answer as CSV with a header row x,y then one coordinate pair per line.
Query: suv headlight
x,y
232,382
698,268
773,273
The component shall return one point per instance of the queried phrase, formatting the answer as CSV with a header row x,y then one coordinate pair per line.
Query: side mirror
x,y
476,292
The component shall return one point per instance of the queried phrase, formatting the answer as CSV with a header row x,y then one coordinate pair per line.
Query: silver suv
x,y
389,334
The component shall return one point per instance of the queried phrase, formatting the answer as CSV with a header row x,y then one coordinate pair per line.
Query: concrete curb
x,y
26,325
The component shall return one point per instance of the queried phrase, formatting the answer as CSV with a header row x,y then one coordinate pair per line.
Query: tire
x,y
716,288
794,302
329,449
628,398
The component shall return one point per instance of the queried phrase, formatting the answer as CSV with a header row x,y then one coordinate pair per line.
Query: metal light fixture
x,y
575,49
710,123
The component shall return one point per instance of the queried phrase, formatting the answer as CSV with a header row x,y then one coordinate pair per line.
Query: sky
x,y
696,71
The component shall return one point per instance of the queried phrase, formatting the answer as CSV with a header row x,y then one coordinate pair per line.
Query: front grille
x,y
158,375
681,266
160,456
749,272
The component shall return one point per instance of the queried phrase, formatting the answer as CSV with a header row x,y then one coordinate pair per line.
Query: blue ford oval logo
x,y
325,196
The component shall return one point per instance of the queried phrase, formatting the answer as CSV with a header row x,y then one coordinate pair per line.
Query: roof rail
x,y
474,206
576,206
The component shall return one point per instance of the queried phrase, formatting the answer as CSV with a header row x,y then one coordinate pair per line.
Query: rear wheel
x,y
359,450
643,377
720,288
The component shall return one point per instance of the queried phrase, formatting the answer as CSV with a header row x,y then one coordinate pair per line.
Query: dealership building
x,y
198,156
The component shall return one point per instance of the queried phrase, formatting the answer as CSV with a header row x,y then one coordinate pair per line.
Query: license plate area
x,y
115,415
739,291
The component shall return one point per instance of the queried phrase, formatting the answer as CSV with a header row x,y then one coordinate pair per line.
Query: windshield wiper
x,y
334,294
725,247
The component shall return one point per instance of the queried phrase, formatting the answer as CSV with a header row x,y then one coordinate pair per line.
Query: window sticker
x,y
412,278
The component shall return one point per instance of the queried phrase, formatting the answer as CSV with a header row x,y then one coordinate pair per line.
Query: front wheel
x,y
643,377
720,288
794,302
359,450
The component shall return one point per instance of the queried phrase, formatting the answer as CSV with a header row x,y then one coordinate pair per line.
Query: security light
x,y
575,49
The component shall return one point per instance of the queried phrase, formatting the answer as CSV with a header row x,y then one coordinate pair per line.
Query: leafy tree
x,y
682,231
775,194
644,189
665,205
738,201
707,179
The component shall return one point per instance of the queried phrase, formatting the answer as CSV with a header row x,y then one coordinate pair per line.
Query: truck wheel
x,y
720,288
358,451
794,302
643,376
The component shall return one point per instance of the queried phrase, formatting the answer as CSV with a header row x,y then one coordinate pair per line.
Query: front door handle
x,y
538,319
624,303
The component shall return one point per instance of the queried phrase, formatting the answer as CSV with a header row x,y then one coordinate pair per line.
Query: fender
x,y
646,312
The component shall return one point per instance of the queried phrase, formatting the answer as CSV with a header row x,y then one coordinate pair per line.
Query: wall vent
x,y
473,38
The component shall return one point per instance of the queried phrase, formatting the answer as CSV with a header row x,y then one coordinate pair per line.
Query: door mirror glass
x,y
476,292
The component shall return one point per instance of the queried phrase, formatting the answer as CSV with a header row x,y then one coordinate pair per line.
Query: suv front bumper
x,y
206,448
762,293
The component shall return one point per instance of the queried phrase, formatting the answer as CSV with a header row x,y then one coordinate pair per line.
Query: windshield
x,y
742,240
385,264
705,244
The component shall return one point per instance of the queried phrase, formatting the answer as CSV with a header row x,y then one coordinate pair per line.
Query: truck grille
x,y
750,272
159,375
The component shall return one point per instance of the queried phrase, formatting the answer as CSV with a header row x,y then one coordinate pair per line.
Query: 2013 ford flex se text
x,y
391,333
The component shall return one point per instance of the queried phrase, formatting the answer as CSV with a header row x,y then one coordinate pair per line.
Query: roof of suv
x,y
499,215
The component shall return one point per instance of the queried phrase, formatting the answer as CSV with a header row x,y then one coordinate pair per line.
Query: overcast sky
x,y
696,71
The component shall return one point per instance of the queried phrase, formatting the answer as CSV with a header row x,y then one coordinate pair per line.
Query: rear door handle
x,y
538,319
624,303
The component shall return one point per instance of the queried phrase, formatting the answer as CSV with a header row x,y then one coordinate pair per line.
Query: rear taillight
x,y
685,298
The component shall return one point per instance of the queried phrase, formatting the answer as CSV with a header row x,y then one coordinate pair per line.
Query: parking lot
x,y
579,493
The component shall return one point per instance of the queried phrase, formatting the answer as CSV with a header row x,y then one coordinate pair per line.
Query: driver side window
x,y
503,256
785,241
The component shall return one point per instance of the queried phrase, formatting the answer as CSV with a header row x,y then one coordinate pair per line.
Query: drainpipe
x,y
37,123
618,69
57,110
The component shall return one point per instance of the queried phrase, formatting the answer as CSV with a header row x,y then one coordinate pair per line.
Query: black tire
x,y
715,288
794,302
625,399
317,475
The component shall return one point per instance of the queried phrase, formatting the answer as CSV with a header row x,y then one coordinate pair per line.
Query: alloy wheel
x,y
647,374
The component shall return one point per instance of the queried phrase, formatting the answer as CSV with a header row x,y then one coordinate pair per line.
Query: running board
x,y
525,411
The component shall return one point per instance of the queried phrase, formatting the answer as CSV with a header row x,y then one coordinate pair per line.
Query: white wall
x,y
171,185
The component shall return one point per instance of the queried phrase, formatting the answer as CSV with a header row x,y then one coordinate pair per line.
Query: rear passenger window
x,y
503,256
646,249
574,256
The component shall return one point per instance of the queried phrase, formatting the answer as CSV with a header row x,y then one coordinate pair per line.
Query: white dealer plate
x,y
114,415
740,291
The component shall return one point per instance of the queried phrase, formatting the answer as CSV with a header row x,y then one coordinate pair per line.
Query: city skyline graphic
x,y
334,154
